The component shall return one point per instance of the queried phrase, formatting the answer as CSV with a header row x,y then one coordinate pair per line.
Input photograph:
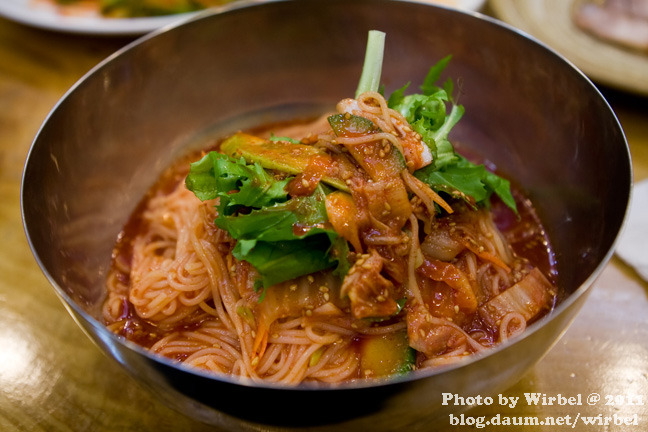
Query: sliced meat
x,y
370,293
450,274
431,335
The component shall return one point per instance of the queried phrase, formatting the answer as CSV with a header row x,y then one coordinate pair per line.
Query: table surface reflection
x,y
52,378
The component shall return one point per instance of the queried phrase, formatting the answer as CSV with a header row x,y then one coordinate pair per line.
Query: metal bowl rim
x,y
214,13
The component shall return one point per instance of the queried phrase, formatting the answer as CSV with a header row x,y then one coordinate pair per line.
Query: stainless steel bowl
x,y
527,109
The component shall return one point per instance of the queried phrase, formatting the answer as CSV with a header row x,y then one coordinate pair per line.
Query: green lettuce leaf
x,y
282,238
286,240
217,175
280,261
426,113
432,114
469,180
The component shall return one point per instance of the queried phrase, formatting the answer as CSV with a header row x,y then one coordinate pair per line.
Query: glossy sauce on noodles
x,y
338,341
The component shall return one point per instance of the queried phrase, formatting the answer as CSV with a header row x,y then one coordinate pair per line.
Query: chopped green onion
x,y
372,69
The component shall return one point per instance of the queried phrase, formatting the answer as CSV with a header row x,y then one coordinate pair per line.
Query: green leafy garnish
x,y
268,238
282,238
427,113
217,175
464,179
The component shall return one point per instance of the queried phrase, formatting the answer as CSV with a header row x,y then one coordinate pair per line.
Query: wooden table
x,y
52,378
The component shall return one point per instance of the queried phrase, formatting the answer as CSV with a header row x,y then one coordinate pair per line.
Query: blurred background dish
x,y
47,15
82,19
552,22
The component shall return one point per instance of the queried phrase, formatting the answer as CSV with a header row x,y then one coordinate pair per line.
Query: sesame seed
x,y
310,278
305,183
387,206
293,287
324,289
422,333
308,312
456,308
381,298
255,361
326,296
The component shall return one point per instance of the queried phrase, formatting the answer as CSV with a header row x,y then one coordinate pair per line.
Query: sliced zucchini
x,y
386,355
278,155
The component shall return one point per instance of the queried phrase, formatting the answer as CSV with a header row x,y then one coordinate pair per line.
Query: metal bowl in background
x,y
527,110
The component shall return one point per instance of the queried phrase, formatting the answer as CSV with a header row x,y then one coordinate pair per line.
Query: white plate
x,y
47,16
40,14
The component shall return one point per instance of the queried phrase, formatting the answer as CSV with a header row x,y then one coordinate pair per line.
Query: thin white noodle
x,y
412,262
519,325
